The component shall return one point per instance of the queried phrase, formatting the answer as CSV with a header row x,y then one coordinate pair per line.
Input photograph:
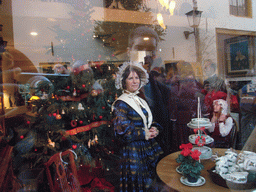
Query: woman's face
x,y
216,107
132,82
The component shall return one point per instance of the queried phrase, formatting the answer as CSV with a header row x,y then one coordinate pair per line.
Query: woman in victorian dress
x,y
135,131
222,124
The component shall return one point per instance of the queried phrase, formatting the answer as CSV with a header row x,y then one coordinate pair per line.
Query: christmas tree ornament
x,y
60,69
73,123
89,143
44,96
80,106
51,143
80,122
74,92
58,116
74,146
68,87
96,138
94,93
82,76
100,117
54,114
63,138
63,112
35,149
22,137
103,107
39,83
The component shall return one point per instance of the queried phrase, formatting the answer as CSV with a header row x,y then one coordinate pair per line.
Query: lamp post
x,y
194,17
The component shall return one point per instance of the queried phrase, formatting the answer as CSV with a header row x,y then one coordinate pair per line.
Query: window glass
x,y
59,61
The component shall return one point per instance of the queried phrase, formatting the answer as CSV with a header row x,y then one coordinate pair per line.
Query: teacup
x,y
232,168
221,168
231,156
250,163
238,177
244,155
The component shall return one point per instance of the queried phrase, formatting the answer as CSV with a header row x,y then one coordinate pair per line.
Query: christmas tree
x,y
69,111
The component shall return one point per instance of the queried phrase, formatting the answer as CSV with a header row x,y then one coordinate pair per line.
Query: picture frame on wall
x,y
239,56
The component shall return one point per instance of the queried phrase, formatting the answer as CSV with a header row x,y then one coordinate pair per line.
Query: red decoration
x,y
28,122
54,114
74,146
22,137
197,141
35,150
50,115
83,85
100,117
68,87
73,123
113,39
64,138
103,107
86,127
81,122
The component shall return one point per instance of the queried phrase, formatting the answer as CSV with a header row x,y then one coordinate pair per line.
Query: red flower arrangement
x,y
189,161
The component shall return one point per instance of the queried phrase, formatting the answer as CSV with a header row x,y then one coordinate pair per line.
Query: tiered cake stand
x,y
200,138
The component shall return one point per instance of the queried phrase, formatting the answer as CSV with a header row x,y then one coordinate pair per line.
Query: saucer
x,y
195,125
200,181
177,169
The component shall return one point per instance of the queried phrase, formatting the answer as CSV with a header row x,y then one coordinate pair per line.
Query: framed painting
x,y
239,55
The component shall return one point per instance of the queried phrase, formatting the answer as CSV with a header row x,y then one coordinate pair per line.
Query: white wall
x,y
39,16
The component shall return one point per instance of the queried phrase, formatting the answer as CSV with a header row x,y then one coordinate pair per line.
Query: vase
x,y
192,179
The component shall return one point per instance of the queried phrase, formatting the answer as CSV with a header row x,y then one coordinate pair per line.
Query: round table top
x,y
166,170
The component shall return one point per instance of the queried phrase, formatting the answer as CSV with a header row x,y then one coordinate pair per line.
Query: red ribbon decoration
x,y
200,129
86,127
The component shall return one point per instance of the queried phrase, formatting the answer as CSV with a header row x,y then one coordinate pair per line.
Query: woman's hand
x,y
153,132
222,118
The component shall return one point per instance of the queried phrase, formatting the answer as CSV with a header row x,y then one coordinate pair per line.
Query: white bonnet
x,y
224,105
119,74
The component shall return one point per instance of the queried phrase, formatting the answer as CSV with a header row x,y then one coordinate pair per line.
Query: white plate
x,y
177,169
193,137
202,120
195,126
200,181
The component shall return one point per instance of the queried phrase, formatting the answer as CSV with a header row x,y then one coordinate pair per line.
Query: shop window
x,y
240,8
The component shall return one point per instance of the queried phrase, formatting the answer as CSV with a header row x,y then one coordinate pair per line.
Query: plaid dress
x,y
138,156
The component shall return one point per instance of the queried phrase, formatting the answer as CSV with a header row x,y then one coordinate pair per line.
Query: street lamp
x,y
194,18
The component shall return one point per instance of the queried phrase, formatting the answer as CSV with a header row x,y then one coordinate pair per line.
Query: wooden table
x,y
166,170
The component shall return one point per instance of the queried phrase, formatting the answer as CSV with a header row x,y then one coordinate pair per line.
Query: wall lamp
x,y
194,18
